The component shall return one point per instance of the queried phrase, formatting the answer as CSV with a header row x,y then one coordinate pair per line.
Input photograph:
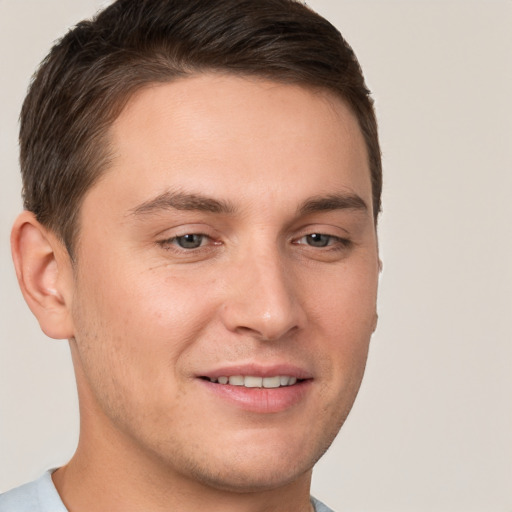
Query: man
x,y
202,180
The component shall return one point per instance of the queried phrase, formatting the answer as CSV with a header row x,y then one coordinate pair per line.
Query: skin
x,y
147,318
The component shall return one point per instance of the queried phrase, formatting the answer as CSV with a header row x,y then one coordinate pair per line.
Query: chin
x,y
258,464
246,478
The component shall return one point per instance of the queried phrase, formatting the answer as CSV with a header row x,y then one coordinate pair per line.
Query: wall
x,y
432,427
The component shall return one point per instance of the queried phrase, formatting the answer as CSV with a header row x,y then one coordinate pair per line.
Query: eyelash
x,y
336,244
174,241
333,243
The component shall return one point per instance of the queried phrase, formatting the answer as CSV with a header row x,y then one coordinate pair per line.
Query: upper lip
x,y
258,370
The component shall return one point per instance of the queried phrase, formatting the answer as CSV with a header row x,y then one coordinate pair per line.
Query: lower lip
x,y
260,400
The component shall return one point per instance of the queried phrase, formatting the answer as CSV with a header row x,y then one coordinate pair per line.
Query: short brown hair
x,y
84,82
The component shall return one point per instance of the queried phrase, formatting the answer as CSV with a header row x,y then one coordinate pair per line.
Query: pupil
x,y
190,241
318,240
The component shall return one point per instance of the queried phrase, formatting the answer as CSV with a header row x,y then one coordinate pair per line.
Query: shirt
x,y
42,496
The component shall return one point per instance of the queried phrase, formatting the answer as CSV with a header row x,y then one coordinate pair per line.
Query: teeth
x,y
284,380
271,382
253,382
250,381
237,380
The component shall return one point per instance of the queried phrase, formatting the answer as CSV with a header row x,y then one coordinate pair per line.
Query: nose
x,y
262,298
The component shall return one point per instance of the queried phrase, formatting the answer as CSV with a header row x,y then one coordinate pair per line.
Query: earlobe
x,y
43,268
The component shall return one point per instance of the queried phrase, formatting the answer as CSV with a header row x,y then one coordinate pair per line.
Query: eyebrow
x,y
342,201
197,202
183,201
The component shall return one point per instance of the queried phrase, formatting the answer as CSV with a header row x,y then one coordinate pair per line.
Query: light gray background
x,y
432,427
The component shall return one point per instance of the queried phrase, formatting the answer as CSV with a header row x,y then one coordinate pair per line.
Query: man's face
x,y
231,239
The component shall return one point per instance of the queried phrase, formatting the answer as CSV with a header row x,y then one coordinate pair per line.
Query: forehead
x,y
237,136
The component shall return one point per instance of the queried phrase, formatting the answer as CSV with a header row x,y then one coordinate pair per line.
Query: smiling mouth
x,y
251,381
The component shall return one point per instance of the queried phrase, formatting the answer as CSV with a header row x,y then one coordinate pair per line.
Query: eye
x,y
189,241
324,246
190,247
318,240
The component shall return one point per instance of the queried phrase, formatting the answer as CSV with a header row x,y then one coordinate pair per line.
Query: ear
x,y
376,317
44,271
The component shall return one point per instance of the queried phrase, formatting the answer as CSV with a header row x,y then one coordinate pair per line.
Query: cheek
x,y
157,305
344,303
344,312
135,334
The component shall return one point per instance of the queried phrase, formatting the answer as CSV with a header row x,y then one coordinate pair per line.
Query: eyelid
x,y
167,239
331,237
170,240
336,240
182,229
322,228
